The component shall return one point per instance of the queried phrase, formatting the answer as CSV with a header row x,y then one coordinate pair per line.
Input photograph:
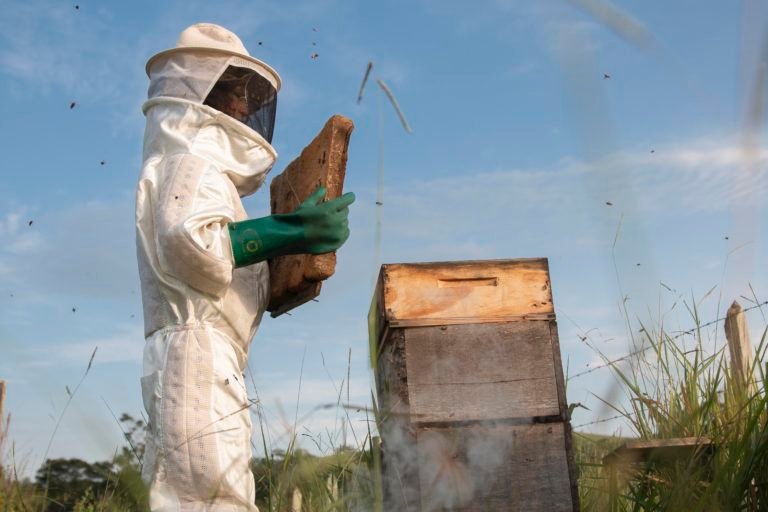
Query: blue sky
x,y
518,142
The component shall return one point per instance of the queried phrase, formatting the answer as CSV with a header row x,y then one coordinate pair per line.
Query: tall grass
x,y
677,391
15,493
673,389
340,477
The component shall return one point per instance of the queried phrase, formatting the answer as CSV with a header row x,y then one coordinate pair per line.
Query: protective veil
x,y
200,312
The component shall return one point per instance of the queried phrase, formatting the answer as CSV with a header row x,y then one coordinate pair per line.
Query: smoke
x,y
458,466
491,464
461,425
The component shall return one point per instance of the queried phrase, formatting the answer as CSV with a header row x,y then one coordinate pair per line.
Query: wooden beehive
x,y
297,278
470,388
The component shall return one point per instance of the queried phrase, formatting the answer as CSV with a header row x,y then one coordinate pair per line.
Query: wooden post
x,y
332,485
613,489
740,347
3,423
296,500
470,387
2,401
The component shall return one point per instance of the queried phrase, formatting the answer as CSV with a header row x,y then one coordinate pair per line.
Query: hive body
x,y
470,387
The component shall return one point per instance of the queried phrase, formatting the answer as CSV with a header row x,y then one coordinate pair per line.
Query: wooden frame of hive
x,y
473,414
297,278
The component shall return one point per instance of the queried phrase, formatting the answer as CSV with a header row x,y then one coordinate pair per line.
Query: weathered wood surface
x,y
466,292
635,455
468,372
296,279
392,375
296,499
494,467
740,347
663,450
573,469
399,466
481,372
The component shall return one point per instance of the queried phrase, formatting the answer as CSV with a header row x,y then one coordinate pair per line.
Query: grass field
x,y
672,391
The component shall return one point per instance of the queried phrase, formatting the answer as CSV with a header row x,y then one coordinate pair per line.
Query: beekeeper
x,y
202,262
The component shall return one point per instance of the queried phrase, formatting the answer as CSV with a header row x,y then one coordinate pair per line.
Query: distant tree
x,y
65,481
135,432
77,485
127,488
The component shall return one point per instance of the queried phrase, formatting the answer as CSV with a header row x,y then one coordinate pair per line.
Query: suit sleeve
x,y
195,204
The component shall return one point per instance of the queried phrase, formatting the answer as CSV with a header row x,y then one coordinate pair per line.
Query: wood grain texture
x,y
742,354
573,469
468,364
400,467
428,322
296,279
473,291
659,450
494,467
481,372
392,376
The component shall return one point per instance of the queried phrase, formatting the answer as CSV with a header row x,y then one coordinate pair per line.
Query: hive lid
x,y
418,294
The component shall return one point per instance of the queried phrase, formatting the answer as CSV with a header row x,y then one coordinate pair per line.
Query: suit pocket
x,y
150,395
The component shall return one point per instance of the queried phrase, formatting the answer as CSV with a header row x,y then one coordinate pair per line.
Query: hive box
x,y
470,386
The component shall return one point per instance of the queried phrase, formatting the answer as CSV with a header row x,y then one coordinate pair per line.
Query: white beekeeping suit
x,y
200,312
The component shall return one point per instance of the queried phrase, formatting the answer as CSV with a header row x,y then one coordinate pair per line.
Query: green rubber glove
x,y
313,228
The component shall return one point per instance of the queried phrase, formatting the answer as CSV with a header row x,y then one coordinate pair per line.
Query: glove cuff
x,y
256,240
247,246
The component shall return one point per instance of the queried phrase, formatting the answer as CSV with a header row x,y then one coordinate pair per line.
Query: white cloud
x,y
278,388
123,346
700,175
568,37
319,423
9,226
617,20
126,346
50,48
319,431
65,57
504,16
56,48
82,250
25,243
685,179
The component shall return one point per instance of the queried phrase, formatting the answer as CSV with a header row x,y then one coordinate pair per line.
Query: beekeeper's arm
x,y
200,243
195,205
313,228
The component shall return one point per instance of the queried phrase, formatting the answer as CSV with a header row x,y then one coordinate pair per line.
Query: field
x,y
673,391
